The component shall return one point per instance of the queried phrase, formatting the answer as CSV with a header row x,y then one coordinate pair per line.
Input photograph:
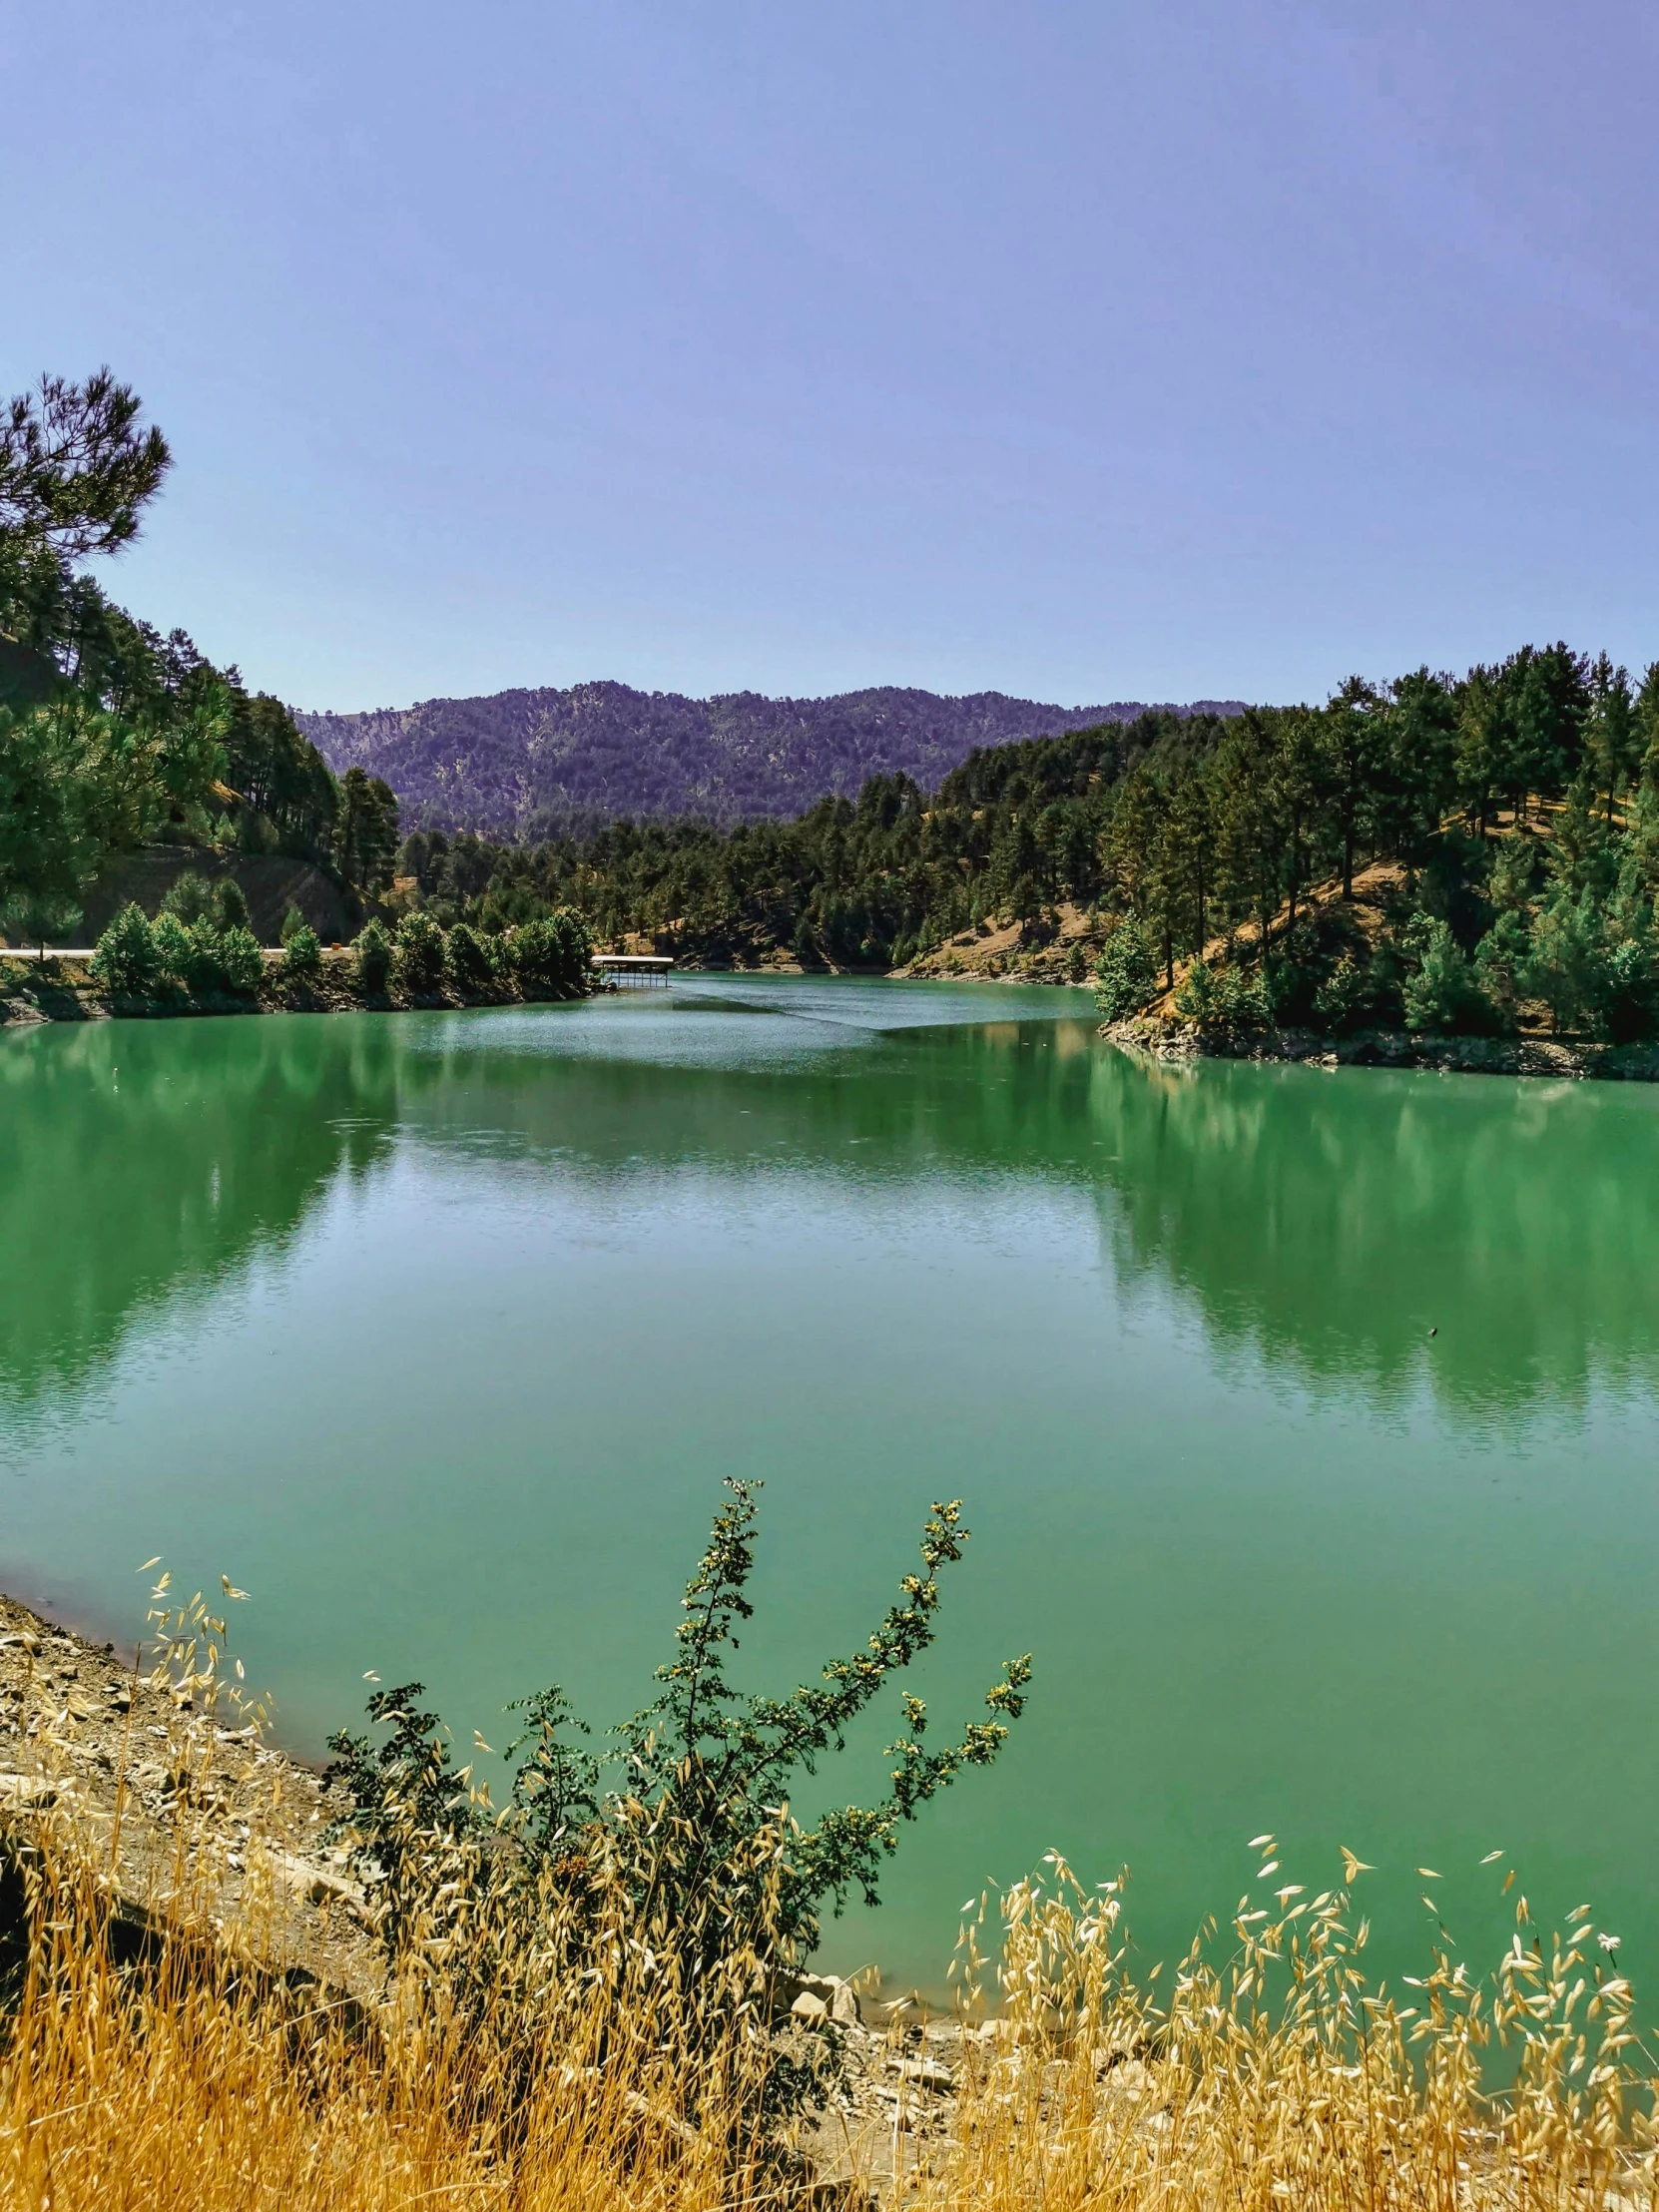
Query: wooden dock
x,y
640,969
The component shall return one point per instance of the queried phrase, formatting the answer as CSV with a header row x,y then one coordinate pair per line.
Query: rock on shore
x,y
1164,1037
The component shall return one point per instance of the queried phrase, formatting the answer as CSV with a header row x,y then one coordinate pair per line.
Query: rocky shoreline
x,y
1164,1037
92,1743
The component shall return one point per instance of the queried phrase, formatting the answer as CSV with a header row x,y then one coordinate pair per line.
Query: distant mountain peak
x,y
519,761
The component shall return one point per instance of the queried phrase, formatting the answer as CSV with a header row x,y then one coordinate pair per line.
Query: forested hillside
x,y
113,736
529,764
870,882
1465,853
1505,823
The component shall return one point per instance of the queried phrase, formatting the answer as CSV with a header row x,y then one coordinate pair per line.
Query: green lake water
x,y
439,1331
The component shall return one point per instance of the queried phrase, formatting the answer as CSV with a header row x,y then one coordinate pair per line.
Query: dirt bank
x,y
1063,951
171,1801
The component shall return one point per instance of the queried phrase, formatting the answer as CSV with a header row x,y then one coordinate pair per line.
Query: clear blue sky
x,y
1088,352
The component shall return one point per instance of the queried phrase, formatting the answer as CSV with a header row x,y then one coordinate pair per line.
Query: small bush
x,y
1292,975
1196,999
207,961
188,897
1567,963
469,958
1500,961
682,1825
1592,964
301,956
575,941
1514,872
292,922
173,948
241,963
230,904
1352,995
1225,1000
374,949
1631,994
203,968
1444,994
524,950
1126,975
552,957
1244,1000
125,960
417,957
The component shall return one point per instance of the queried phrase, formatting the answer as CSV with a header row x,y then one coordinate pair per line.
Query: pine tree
x,y
1611,731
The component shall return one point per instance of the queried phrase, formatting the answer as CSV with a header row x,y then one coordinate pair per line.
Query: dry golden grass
x,y
196,2075
1280,2079
195,2078
174,2058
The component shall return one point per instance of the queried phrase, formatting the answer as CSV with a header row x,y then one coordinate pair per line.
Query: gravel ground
x,y
170,1801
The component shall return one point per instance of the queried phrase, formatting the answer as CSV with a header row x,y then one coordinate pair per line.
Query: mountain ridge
x,y
527,760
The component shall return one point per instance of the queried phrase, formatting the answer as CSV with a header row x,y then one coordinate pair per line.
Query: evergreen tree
x,y
77,470
1611,732
367,831
1300,783
53,792
1188,870
1567,967
1485,747
1417,773
1356,733
1249,836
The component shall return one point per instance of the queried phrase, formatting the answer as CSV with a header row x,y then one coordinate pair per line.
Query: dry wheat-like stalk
x,y
200,2076
186,2063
